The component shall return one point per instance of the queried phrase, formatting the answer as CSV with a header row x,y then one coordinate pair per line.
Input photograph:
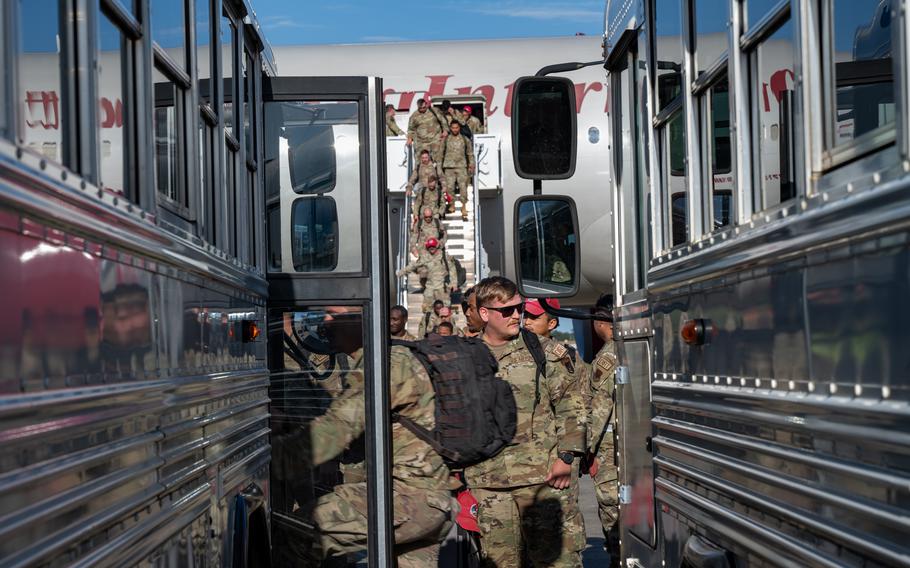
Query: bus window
x,y
43,115
772,89
668,29
719,174
711,17
863,82
673,161
113,105
314,234
165,127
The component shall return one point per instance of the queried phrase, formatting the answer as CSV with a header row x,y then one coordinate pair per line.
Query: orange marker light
x,y
250,331
693,332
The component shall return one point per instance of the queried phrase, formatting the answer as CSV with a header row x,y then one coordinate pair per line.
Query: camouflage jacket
x,y
556,424
413,460
441,271
423,231
422,174
598,391
475,125
391,127
406,336
432,198
458,152
426,126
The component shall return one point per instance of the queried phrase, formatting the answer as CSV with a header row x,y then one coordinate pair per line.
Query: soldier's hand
x,y
408,142
560,475
471,169
407,191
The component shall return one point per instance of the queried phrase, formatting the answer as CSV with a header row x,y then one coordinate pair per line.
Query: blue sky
x,y
368,21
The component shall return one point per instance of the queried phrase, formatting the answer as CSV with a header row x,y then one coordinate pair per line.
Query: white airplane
x,y
482,72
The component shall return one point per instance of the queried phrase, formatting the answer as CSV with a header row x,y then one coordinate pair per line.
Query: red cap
x,y
432,243
534,308
467,108
467,517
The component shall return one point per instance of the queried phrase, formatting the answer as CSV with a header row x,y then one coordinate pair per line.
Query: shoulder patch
x,y
606,363
559,350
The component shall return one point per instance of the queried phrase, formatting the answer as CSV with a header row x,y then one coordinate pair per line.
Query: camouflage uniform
x,y
428,322
425,129
524,521
475,125
423,172
391,127
599,393
423,231
405,336
441,276
429,197
458,159
421,485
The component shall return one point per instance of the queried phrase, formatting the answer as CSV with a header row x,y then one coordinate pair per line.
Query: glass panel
x,y
720,156
545,139
166,166
643,123
314,234
230,158
204,49
675,179
317,421
169,28
667,27
711,18
111,116
314,148
634,419
42,106
274,225
863,68
247,109
624,144
547,241
772,68
228,35
758,9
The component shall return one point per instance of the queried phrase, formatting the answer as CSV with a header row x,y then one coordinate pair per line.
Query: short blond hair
x,y
494,289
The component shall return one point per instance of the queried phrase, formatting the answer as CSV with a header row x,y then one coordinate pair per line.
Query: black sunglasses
x,y
507,311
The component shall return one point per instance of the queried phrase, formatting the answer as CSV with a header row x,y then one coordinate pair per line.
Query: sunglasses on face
x,y
507,311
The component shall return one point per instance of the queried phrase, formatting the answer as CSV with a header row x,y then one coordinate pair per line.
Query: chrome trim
x,y
766,26
381,530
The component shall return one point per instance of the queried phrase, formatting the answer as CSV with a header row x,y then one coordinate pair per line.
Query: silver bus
x,y
759,155
176,223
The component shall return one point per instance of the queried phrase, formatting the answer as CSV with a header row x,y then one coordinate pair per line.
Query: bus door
x,y
324,160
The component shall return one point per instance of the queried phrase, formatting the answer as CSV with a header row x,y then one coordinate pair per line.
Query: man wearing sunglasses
x,y
526,508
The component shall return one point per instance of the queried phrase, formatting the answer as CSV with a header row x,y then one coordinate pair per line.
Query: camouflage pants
x,y
421,518
530,526
434,146
430,295
606,487
461,176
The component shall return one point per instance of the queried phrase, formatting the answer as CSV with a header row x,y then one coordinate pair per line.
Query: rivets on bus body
x,y
757,383
811,386
803,204
832,388
791,385
716,380
850,187
858,390
785,212
886,392
773,383
767,218
729,380
742,382
876,178
907,165
825,197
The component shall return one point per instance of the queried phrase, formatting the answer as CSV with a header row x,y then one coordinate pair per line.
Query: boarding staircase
x,y
464,242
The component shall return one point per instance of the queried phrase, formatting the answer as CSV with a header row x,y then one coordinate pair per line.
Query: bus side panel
x,y
132,412
781,439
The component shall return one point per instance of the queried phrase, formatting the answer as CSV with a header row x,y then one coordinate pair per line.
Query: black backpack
x,y
476,416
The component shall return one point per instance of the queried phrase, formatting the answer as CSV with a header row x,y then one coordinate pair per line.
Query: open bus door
x,y
324,160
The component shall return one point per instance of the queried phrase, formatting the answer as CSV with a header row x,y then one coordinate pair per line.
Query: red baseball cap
x,y
467,516
534,308
467,108
432,243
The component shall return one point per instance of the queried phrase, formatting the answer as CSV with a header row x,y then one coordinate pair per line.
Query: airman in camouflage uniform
x,y
391,127
473,122
527,511
442,277
429,196
599,393
424,171
458,164
421,484
398,321
428,227
426,130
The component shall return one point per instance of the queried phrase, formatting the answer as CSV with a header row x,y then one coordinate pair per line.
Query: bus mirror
x,y
547,251
543,127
